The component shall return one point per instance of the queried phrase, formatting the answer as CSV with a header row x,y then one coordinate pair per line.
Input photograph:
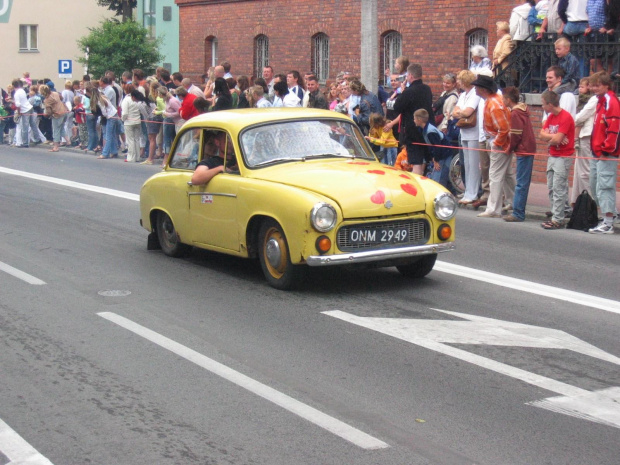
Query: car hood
x,y
361,188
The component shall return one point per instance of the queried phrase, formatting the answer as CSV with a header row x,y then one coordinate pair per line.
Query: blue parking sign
x,y
65,68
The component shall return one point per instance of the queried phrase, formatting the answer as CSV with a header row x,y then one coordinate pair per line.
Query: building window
x,y
392,49
148,20
477,37
320,57
28,35
210,51
261,54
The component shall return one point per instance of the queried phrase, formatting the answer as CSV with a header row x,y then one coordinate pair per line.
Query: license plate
x,y
378,235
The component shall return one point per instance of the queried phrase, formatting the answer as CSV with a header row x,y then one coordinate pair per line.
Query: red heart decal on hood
x,y
404,176
378,198
409,189
358,163
376,171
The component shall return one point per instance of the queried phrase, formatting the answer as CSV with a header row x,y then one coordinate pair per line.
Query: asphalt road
x,y
126,356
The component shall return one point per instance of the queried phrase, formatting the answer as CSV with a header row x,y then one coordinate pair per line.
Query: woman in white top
x,y
107,110
466,105
131,116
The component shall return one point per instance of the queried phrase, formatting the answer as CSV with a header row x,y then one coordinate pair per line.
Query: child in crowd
x,y
383,138
26,79
440,156
568,62
401,161
80,118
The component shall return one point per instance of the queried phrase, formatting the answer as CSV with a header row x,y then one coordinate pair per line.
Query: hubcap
x,y
273,252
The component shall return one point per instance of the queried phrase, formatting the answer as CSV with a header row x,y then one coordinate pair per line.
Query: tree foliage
x,y
119,47
122,8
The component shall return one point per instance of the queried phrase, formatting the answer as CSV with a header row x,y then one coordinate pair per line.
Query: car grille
x,y
418,232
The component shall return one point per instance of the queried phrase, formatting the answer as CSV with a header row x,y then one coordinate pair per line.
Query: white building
x,y
36,34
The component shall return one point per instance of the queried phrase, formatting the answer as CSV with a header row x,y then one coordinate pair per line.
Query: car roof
x,y
236,120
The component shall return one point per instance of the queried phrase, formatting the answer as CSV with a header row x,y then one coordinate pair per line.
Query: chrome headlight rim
x,y
315,215
442,201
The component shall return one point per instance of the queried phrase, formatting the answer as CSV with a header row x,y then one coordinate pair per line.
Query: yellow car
x,y
295,187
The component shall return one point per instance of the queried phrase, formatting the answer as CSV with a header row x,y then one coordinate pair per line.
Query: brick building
x,y
324,35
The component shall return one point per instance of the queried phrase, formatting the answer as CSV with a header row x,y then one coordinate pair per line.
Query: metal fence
x,y
529,61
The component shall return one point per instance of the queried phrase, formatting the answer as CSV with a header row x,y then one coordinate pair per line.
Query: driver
x,y
214,164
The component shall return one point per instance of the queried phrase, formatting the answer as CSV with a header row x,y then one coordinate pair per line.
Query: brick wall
x,y
434,34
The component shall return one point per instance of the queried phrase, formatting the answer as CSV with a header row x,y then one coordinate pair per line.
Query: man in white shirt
x,y
258,95
227,66
268,77
295,84
27,120
191,88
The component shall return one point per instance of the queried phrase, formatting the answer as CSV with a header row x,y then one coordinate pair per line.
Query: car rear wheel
x,y
275,259
168,237
419,268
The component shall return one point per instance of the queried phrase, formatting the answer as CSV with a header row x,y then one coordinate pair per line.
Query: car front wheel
x,y
168,238
275,259
419,268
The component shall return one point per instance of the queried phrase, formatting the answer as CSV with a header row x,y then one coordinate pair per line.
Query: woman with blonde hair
x,y
55,108
504,46
466,106
100,104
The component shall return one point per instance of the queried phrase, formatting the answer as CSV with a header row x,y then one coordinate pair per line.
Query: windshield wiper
x,y
328,155
276,160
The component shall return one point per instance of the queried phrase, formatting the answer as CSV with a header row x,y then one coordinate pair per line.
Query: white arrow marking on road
x,y
600,406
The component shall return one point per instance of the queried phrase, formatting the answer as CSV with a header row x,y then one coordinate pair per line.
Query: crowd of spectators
x,y
139,115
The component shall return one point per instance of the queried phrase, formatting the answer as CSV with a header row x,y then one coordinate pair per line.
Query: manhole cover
x,y
114,293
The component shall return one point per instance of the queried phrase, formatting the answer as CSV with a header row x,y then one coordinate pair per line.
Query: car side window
x,y
185,155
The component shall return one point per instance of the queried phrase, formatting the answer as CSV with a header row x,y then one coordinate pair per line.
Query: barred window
x,y
28,37
392,49
477,37
320,57
261,54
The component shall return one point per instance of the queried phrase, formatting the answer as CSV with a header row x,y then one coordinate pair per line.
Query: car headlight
x,y
323,217
445,206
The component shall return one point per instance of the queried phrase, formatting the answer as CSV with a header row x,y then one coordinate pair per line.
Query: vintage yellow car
x,y
298,187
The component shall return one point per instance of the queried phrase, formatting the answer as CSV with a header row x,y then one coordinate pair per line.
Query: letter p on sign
x,y
64,69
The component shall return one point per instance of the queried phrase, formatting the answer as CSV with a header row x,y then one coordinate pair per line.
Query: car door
x,y
213,206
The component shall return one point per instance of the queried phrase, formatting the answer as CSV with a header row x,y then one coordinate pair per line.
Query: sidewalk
x,y
538,202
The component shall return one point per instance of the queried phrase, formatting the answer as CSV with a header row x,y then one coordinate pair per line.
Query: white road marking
x,y
600,406
73,184
20,274
331,424
17,450
608,305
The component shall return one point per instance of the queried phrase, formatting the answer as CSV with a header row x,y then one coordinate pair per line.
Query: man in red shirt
x,y
605,143
559,132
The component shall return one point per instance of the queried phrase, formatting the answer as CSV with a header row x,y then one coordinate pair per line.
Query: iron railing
x,y
528,63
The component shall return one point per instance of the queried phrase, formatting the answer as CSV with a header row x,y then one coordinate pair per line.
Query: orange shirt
x,y
497,120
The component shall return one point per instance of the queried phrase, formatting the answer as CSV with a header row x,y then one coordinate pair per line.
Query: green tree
x,y
119,47
122,8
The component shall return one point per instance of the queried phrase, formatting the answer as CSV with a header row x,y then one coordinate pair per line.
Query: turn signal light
x,y
323,244
444,232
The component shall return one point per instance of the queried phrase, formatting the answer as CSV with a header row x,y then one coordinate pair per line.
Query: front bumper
x,y
378,255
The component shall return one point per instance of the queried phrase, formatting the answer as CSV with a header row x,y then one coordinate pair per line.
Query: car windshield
x,y
301,141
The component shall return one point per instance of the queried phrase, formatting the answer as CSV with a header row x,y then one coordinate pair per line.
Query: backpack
x,y
584,214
